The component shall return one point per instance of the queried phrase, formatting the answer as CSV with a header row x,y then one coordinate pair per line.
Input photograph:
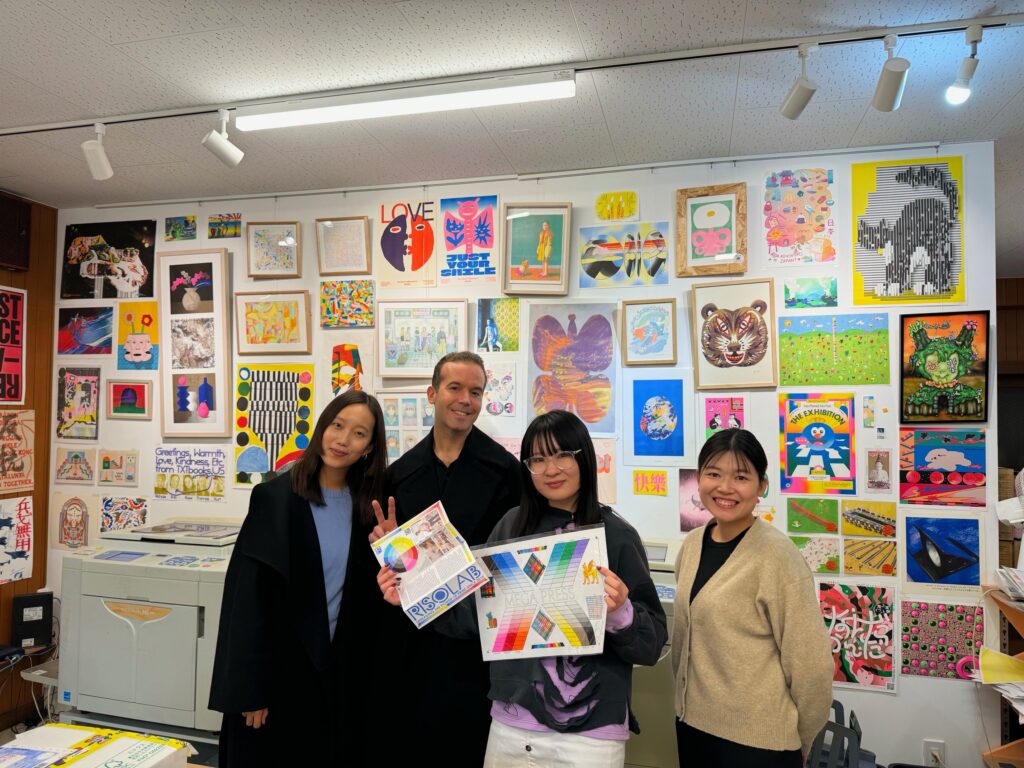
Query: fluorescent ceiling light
x,y
416,99
96,155
960,90
892,80
803,89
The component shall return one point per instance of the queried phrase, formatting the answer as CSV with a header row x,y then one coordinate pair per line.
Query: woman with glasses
x,y
567,710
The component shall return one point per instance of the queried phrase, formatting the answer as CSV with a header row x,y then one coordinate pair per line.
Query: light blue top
x,y
334,530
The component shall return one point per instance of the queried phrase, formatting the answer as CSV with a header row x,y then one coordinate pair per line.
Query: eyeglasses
x,y
563,460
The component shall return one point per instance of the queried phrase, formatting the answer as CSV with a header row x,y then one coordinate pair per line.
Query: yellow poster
x,y
908,231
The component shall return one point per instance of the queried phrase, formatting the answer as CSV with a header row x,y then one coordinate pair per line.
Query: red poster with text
x,y
12,346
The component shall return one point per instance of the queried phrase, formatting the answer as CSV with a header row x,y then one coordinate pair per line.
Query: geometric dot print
x,y
940,640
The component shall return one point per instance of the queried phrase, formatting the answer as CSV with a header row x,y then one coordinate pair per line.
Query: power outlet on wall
x,y
934,752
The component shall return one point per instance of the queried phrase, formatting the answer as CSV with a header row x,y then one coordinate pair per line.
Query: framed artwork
x,y
347,303
273,249
908,231
78,403
108,260
12,345
195,357
943,467
649,332
624,255
572,362
343,245
659,409
735,346
273,418
711,230
138,336
85,331
470,234
944,367
816,443
497,325
414,335
536,240
272,323
834,350
74,466
798,216
407,235
129,399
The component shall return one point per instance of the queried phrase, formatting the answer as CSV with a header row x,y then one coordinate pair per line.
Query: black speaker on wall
x,y
15,223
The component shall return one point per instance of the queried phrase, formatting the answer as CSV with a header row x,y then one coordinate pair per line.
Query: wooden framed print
x,y
734,334
273,249
413,335
129,399
195,357
711,230
536,241
343,245
649,332
272,323
944,367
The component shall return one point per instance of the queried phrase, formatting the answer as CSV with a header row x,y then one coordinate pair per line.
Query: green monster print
x,y
941,361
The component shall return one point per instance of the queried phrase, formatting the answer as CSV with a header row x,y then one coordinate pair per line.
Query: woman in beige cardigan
x,y
752,659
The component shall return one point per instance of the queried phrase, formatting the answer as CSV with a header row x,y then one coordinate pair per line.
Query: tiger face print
x,y
734,337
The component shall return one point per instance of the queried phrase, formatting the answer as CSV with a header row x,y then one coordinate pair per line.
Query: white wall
x,y
894,724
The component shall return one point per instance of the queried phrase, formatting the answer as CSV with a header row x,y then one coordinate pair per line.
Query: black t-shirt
x,y
713,555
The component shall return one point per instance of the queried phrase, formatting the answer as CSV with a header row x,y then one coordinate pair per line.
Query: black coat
x,y
274,647
450,696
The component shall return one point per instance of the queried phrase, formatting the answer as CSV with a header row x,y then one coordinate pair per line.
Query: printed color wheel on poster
x,y
401,555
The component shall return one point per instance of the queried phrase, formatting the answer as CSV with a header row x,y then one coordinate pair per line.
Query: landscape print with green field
x,y
839,350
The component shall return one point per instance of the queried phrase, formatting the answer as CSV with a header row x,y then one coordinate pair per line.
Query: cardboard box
x,y
1007,756
99,747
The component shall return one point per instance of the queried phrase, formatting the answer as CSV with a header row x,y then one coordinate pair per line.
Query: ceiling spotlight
x,y
217,142
960,90
803,89
96,155
891,81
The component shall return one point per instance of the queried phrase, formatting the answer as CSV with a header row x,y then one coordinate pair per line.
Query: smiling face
x,y
458,396
559,480
729,488
347,438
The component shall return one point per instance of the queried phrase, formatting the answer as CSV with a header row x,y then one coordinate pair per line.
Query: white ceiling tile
x,y
1009,121
45,49
118,21
665,112
558,149
467,37
25,103
773,19
924,113
823,125
840,71
447,145
616,28
124,146
942,10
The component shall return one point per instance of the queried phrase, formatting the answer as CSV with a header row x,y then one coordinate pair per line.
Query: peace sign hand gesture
x,y
386,522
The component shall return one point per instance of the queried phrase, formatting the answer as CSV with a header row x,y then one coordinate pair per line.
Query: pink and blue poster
x,y
816,443
469,237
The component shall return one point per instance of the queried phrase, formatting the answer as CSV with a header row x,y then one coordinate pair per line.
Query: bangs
x,y
740,462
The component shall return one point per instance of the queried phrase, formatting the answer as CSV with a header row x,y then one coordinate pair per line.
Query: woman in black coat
x,y
299,589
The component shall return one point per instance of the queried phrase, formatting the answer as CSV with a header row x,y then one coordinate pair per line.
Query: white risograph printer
x,y
139,622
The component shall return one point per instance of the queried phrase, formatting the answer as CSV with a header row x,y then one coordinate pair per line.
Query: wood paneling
x,y
15,695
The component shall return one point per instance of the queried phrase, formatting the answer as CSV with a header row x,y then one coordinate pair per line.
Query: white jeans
x,y
510,747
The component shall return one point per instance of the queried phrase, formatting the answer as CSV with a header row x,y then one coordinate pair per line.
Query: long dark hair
x,y
740,443
551,432
365,478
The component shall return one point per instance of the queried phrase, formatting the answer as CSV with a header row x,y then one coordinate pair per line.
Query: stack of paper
x,y
1006,673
